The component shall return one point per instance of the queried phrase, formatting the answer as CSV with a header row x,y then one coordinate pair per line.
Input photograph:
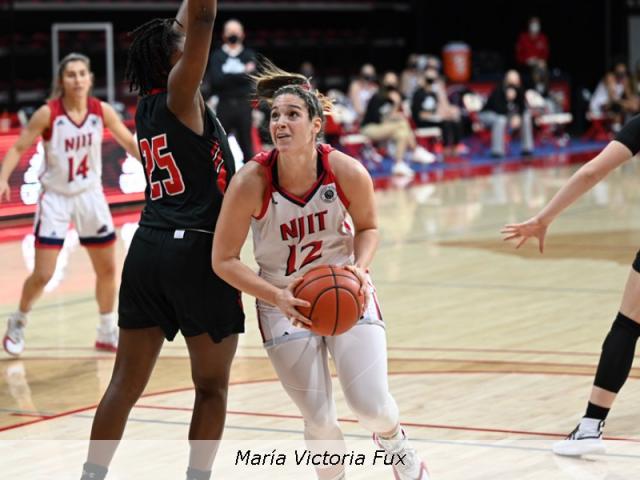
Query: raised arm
x,y
197,18
38,123
120,132
242,200
617,152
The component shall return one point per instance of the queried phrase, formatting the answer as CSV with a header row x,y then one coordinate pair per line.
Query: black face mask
x,y
233,39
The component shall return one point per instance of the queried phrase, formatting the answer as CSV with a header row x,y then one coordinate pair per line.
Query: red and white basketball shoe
x,y
409,465
107,339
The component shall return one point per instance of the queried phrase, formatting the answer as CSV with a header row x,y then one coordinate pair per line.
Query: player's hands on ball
x,y
533,227
287,303
364,283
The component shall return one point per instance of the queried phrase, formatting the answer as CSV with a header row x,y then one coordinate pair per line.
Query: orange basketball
x,y
333,292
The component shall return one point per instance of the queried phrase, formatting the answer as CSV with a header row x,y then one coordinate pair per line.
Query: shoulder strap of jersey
x,y
265,160
94,105
55,105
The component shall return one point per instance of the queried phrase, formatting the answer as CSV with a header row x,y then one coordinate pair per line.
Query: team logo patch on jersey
x,y
328,193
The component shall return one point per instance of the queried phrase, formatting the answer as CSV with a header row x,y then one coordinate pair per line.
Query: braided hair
x,y
149,59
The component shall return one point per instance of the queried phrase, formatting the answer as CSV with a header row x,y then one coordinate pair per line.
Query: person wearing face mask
x,y
506,109
431,108
532,47
410,77
228,78
614,97
385,120
362,89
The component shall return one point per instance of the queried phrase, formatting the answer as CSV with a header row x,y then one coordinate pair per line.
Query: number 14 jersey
x,y
294,234
73,151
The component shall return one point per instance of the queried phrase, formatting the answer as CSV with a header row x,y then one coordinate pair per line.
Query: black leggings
x,y
235,116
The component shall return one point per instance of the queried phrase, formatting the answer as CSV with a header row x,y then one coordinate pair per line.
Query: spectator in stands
x,y
532,47
385,120
410,77
506,110
539,83
615,98
228,78
431,108
430,61
363,88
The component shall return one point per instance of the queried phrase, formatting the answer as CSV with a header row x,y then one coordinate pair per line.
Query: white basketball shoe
x,y
107,339
13,341
402,169
586,438
409,465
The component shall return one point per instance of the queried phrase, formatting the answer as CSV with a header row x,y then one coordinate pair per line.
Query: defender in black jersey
x,y
167,280
619,345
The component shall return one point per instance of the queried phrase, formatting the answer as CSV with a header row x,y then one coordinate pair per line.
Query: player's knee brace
x,y
617,354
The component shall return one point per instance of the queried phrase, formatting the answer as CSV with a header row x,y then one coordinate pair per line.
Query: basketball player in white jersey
x,y
308,204
71,124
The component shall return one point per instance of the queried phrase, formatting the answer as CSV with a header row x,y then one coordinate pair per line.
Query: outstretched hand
x,y
287,304
523,231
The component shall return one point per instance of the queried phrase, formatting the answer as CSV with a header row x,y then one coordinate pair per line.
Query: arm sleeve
x,y
629,136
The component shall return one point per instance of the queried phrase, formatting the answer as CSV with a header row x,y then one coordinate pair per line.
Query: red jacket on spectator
x,y
532,47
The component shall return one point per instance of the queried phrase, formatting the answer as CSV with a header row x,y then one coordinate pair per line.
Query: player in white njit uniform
x,y
71,124
308,204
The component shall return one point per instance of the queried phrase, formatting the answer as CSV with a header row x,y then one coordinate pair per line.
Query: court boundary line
x,y
247,382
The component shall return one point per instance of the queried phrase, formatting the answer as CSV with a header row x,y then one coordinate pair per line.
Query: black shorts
x,y
636,262
168,282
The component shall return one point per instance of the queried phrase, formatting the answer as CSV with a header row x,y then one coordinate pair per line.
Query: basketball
x,y
333,292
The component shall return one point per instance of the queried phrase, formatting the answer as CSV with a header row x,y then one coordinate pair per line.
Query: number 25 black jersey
x,y
186,173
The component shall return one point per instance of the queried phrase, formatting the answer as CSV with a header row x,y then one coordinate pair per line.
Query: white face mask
x,y
534,27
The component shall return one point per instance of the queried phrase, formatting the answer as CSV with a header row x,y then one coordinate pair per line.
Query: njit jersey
x,y
73,152
294,234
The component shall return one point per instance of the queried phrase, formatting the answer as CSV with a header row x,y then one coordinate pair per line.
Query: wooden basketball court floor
x,y
491,350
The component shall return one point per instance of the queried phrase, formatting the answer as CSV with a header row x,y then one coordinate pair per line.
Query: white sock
x,y
108,321
397,435
393,442
20,316
589,424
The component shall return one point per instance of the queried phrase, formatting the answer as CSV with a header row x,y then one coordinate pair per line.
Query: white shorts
x,y
276,328
89,212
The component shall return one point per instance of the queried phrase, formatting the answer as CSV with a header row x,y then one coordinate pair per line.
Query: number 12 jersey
x,y
294,234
